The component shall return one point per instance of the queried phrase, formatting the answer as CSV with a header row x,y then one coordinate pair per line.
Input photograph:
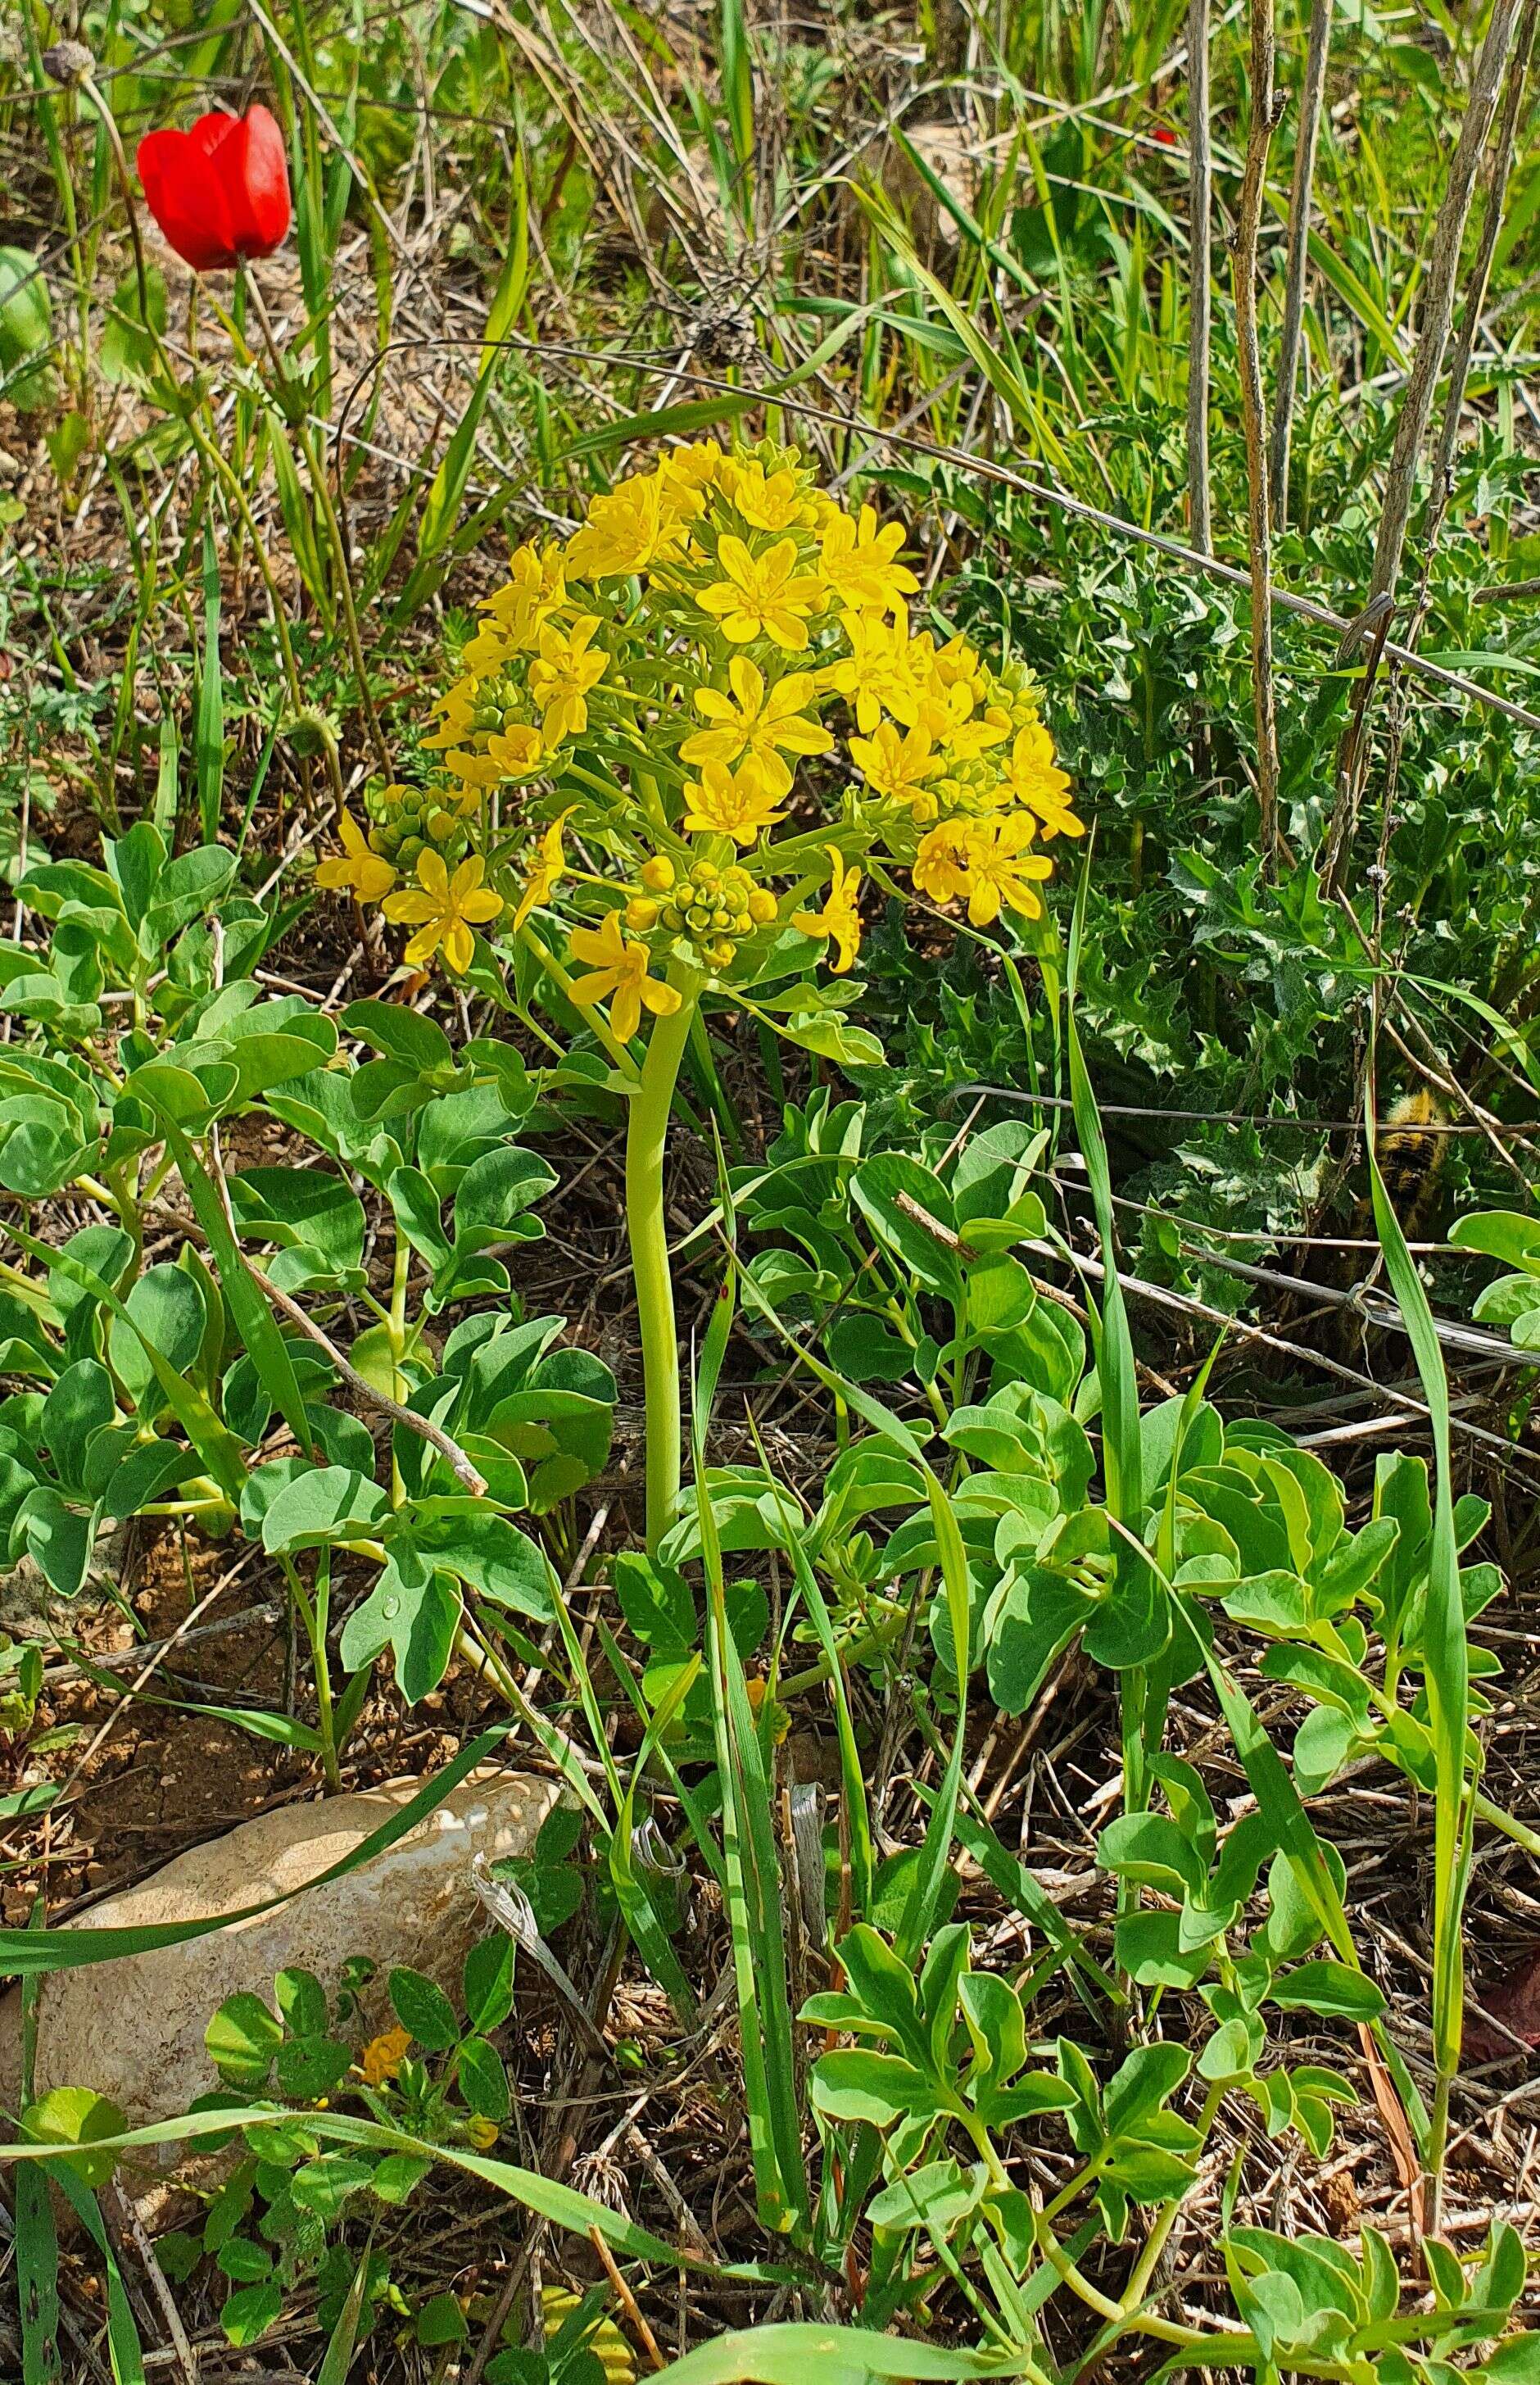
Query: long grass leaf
x,y
1445,1652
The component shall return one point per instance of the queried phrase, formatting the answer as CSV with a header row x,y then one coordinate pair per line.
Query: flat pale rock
x,y
133,2028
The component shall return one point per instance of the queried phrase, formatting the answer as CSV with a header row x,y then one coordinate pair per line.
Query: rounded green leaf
x,y
424,2010
78,2117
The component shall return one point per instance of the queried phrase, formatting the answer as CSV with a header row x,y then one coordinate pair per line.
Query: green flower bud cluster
x,y
714,909
404,821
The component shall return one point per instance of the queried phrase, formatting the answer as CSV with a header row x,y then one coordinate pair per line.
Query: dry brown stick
x,y
1438,297
1317,46
1201,181
424,1426
1248,231
132,2225
1499,168
628,2301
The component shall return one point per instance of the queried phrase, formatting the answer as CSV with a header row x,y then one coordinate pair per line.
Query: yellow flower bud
x,y
641,913
761,906
657,873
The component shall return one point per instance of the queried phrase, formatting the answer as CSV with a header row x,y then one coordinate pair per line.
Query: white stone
x,y
133,2028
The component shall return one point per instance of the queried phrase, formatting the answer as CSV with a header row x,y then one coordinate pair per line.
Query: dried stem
x,y
1438,297
1258,140
1498,170
1200,239
1317,44
407,1418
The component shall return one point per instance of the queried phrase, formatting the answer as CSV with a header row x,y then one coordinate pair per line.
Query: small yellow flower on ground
x,y
838,918
730,803
762,596
762,724
547,870
617,972
356,871
444,910
856,559
560,681
383,2057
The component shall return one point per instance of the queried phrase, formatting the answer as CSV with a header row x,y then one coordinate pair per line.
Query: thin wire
x,y
981,468
1229,1118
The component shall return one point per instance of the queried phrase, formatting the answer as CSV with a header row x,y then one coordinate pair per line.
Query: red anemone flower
x,y
220,192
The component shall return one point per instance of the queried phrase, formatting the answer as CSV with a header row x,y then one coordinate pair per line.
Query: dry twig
x,y
1258,142
1317,46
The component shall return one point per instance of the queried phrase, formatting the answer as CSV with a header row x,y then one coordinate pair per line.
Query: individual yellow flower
x,y
875,673
518,750
617,972
856,559
964,734
561,678
383,2056
536,587
739,803
457,716
684,476
897,768
487,652
356,870
483,2133
444,909
762,596
941,866
754,721
1035,780
1000,869
549,869
475,768
774,501
626,529
838,918
953,665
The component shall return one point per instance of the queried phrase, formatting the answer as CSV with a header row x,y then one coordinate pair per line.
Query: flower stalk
x,y
646,1226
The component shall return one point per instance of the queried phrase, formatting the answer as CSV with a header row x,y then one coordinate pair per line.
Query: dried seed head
x,y
68,62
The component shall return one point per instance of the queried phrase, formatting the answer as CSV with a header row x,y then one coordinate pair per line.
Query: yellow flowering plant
x,y
685,741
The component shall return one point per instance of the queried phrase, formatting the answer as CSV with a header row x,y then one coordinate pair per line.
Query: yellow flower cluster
x,y
628,738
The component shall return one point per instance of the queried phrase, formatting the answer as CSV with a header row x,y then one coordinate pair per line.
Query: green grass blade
x,y
1445,1654
919,1915
31,1953
755,1898
208,743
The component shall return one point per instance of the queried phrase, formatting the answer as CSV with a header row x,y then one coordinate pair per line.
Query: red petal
x,y
212,131
253,167
184,196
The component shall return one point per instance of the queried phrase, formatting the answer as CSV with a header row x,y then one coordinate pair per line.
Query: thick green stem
x,y
646,1137
314,1619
